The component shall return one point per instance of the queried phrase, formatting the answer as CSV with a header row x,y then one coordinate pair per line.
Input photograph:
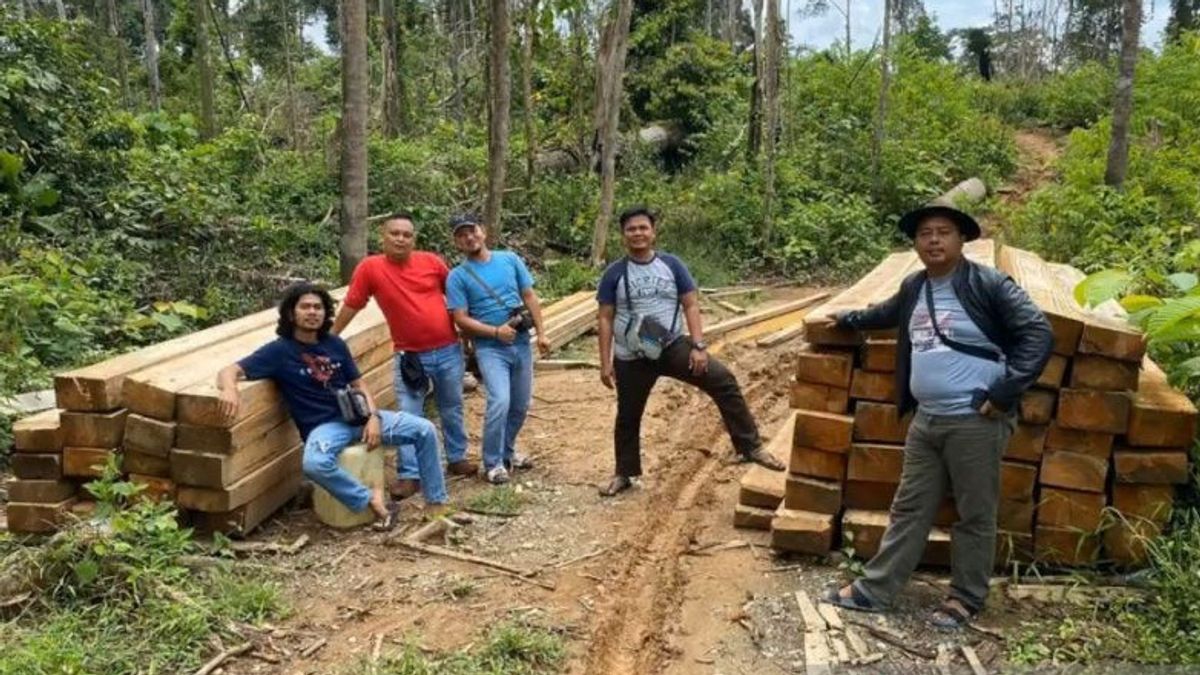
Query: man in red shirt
x,y
410,288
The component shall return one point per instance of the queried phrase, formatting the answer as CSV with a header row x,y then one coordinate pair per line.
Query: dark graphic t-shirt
x,y
307,375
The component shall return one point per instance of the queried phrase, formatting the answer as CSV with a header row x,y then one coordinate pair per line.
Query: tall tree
x,y
289,33
527,46
112,18
150,49
499,105
352,246
1185,16
885,78
610,74
208,116
773,34
392,91
1118,146
754,137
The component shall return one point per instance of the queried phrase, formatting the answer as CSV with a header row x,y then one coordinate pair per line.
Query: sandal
x,y
952,615
617,485
856,602
388,522
761,457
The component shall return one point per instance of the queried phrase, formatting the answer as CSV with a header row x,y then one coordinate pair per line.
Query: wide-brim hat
x,y
966,224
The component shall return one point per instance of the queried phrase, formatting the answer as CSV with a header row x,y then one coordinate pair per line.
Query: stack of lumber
x,y
155,412
1100,433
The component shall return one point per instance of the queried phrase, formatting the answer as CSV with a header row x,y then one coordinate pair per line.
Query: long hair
x,y
287,308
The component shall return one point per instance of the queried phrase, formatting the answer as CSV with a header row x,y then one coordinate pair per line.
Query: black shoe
x,y
617,485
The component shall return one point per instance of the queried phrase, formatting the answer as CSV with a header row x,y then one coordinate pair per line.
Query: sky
x,y
867,18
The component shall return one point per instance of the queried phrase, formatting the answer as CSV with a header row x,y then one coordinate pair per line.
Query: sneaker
x,y
405,488
463,467
497,475
520,460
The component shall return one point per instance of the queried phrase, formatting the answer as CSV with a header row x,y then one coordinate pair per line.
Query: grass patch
x,y
115,598
511,649
500,501
1163,627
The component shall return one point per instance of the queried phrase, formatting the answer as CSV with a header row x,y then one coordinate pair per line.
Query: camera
x,y
520,319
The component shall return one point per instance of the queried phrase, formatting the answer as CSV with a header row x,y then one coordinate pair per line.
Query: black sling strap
x,y
629,298
970,350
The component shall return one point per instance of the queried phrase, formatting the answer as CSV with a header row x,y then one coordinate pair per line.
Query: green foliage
x,y
118,600
689,84
504,501
512,648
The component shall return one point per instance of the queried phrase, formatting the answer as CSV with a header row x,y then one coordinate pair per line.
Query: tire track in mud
x,y
628,635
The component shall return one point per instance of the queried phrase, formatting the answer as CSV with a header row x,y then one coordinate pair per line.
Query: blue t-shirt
x,y
656,287
944,380
508,277
307,376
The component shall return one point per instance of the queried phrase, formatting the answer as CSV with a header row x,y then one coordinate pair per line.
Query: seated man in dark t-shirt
x,y
309,365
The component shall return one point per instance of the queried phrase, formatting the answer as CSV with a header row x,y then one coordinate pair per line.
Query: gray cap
x,y
463,220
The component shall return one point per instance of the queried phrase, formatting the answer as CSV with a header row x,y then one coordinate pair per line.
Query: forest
x,y
167,165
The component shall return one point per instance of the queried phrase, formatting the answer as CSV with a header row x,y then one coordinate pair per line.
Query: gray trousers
x,y
961,452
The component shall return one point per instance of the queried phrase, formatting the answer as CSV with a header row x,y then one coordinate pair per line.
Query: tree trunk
x,y
353,244
754,138
208,117
527,47
393,80
610,74
881,116
151,54
60,9
849,48
1118,147
579,43
457,54
289,74
114,32
729,24
773,35
499,98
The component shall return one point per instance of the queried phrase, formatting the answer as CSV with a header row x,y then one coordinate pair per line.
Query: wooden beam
x,y
1160,415
242,520
253,485
41,432
761,315
149,436
1039,281
97,430
86,462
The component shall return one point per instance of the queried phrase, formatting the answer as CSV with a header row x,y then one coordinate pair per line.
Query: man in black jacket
x,y
970,342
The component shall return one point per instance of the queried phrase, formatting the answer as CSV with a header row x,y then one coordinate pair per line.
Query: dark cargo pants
x,y
962,453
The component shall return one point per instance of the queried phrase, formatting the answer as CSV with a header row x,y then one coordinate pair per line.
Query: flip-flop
x,y
388,522
857,602
617,485
952,615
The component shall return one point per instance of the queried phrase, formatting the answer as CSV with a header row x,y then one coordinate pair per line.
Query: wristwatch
x,y
700,345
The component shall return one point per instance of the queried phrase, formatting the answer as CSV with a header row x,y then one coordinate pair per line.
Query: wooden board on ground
x,y
243,519
1073,471
1087,410
41,491
875,463
246,489
760,486
1155,467
753,517
149,436
812,494
97,430
37,518
1160,416
86,462
36,465
802,532
878,285
1039,281
879,422
40,432
1099,372
763,315
199,404
98,387
819,397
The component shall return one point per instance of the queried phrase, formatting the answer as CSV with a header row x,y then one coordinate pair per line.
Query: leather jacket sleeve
x,y
1031,342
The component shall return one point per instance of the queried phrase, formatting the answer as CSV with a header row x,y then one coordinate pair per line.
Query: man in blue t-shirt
x,y
490,295
309,365
645,299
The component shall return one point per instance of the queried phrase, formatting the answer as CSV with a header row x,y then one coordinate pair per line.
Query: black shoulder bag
x,y
644,335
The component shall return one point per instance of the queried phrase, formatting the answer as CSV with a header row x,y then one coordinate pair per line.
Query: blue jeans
x,y
508,377
444,366
327,441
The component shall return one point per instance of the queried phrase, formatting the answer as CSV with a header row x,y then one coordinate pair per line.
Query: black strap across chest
x,y
970,350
